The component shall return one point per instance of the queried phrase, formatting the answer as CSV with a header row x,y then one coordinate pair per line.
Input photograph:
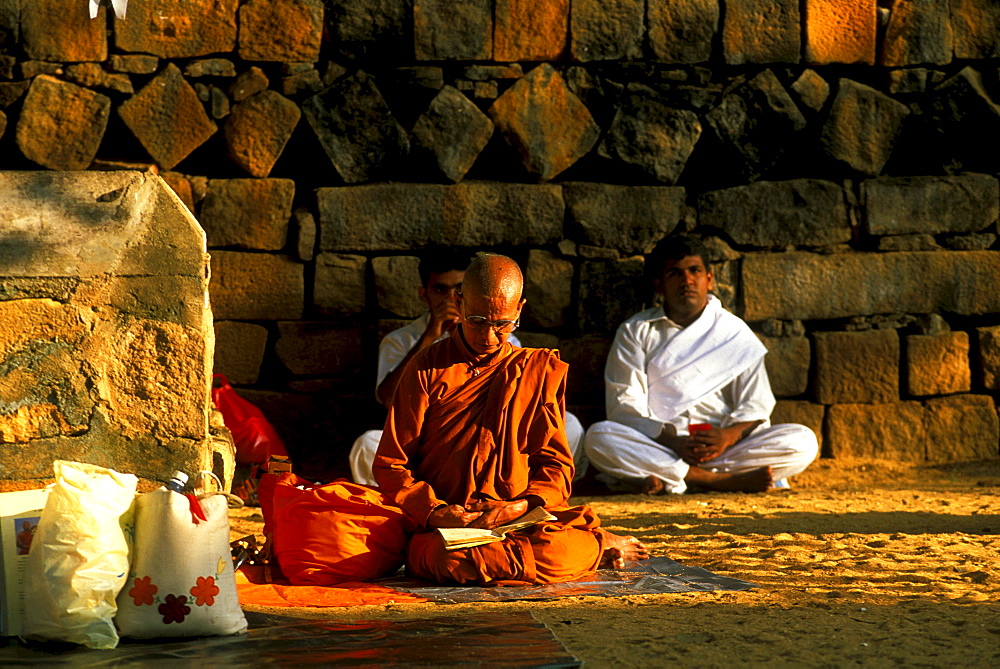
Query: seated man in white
x,y
441,274
691,362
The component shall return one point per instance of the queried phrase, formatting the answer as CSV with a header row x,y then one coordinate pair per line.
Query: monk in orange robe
x,y
475,437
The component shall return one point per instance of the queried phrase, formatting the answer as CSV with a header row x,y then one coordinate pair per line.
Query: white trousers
x,y
363,451
625,453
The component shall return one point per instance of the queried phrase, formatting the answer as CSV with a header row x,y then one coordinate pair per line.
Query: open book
x,y
467,537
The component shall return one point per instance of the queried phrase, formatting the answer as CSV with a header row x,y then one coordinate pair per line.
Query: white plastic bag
x,y
181,581
79,557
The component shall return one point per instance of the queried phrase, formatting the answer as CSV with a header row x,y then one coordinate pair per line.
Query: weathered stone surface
x,y
652,137
452,132
92,75
975,26
406,216
178,28
761,31
33,68
372,30
931,205
779,213
965,122
606,29
989,356
629,218
916,242
181,186
210,67
682,32
340,283
239,350
487,72
305,233
258,129
305,82
885,431
256,286
857,366
804,286
862,127
938,364
908,80
61,124
228,221
453,30
167,118
975,242
10,92
759,121
610,292
961,427
801,413
544,122
249,83
548,288
286,31
919,32
840,32
397,279
528,30
136,63
356,128
586,356
108,360
319,348
59,30
787,362
220,104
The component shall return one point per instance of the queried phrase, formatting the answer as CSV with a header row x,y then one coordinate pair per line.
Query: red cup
x,y
697,427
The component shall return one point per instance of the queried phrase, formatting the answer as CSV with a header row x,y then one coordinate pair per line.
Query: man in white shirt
x,y
441,274
687,396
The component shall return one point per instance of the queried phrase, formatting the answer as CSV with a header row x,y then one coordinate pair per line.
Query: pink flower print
x,y
143,590
205,591
174,609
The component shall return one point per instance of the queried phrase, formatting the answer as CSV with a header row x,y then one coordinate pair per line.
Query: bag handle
x,y
234,501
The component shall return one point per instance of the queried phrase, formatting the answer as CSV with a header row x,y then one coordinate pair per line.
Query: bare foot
x,y
653,486
757,480
620,549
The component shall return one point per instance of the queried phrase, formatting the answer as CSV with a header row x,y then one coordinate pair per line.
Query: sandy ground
x,y
868,563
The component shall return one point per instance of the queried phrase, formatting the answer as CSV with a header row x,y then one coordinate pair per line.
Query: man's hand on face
x,y
452,515
496,513
444,317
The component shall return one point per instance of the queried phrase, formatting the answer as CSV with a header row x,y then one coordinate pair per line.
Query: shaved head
x,y
494,276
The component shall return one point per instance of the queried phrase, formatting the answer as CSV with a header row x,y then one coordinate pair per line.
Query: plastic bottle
x,y
177,482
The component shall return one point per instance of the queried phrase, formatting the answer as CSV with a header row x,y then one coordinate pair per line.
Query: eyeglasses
x,y
500,327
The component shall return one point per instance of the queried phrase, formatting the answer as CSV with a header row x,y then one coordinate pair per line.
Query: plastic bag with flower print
x,y
181,581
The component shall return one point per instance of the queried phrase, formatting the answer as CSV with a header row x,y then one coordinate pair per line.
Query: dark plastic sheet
x,y
654,576
508,639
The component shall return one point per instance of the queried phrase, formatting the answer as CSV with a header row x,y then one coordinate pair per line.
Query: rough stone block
x,y
239,350
319,348
397,279
527,30
258,129
779,213
92,75
652,137
840,32
340,284
610,292
919,32
857,366
862,127
379,30
453,29
305,233
178,28
930,205
286,31
210,67
989,356
892,431
908,80
761,31
787,362
804,286
801,413
938,364
975,26
356,128
586,357
452,132
682,32
396,216
249,83
167,118
914,242
629,218
965,122
134,63
256,286
61,124
606,29
548,288
961,427
11,92
62,30
228,221
545,122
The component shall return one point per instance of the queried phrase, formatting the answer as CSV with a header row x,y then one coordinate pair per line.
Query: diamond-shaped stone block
x,y
652,137
61,124
258,129
452,132
862,127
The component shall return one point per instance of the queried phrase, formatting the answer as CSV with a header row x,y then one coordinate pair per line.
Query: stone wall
x,y
841,160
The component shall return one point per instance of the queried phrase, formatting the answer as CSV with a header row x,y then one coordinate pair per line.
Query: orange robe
x,y
461,431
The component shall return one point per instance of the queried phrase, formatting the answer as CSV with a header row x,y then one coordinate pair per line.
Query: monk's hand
x,y
709,444
452,515
496,513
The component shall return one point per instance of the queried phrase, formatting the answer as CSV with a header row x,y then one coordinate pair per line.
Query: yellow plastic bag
x,y
79,557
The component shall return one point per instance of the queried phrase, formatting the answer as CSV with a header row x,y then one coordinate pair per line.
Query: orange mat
x,y
252,590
